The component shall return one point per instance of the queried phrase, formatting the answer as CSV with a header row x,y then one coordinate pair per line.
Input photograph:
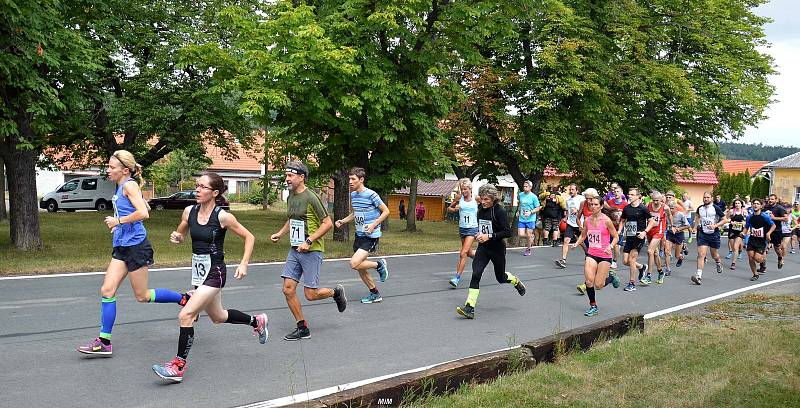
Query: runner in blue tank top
x,y
132,253
528,208
467,208
368,211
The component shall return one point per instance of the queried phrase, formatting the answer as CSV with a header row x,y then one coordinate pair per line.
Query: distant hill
x,y
744,151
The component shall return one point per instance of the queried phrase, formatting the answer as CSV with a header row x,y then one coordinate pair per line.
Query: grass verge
x,y
743,353
80,241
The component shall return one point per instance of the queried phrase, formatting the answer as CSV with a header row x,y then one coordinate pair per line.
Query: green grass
x,y
80,241
697,361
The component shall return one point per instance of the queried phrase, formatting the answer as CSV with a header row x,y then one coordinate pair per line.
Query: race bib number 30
x,y
297,232
201,265
758,232
486,227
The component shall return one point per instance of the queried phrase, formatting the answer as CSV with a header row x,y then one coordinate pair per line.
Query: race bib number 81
x,y
201,264
486,227
297,232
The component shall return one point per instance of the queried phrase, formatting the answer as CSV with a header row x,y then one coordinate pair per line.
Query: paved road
x,y
43,320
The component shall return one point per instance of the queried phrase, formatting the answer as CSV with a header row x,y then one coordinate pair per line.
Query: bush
x,y
254,196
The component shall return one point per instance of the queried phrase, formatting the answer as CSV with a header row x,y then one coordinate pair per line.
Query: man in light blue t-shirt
x,y
528,208
368,211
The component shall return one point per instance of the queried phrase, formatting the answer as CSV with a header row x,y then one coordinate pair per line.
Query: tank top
x,y
737,220
208,239
128,234
661,221
598,236
467,213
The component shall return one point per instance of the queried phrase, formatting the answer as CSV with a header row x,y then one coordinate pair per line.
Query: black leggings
x,y
482,257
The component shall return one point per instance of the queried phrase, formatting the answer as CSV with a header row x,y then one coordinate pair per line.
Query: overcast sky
x,y
781,128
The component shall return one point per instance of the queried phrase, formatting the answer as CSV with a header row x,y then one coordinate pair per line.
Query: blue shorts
x,y
526,224
467,232
305,266
675,238
709,240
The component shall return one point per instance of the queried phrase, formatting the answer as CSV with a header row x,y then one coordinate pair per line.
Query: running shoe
x,y
184,299
647,280
668,272
520,287
614,265
762,267
733,266
780,263
555,244
679,263
730,255
261,330
630,288
696,279
466,311
719,267
660,279
661,253
591,311
340,298
754,278
298,333
614,280
527,252
97,348
642,271
172,370
372,298
561,263
383,270
790,251
455,281
739,257
582,288
691,238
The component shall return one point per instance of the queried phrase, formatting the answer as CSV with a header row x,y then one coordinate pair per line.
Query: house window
x,y
242,186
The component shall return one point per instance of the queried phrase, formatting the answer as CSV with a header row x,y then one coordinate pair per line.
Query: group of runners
x,y
599,225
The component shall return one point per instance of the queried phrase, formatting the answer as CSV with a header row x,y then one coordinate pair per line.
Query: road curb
x,y
448,377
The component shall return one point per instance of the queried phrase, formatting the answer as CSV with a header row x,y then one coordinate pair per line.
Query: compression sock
x,y
108,313
511,279
185,341
160,295
472,297
590,293
237,317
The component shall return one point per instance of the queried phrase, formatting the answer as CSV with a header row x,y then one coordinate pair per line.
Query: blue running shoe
x,y
730,255
455,281
372,298
591,312
630,288
172,371
614,280
383,271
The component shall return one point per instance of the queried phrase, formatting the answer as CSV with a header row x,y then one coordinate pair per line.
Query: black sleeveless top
x,y
208,238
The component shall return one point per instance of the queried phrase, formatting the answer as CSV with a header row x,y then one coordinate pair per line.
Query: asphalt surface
x,y
44,320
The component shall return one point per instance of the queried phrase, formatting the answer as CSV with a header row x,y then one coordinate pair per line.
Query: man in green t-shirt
x,y
307,224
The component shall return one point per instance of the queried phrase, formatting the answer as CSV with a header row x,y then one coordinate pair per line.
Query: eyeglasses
x,y
198,185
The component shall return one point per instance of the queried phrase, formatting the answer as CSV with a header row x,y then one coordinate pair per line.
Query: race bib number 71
x,y
297,232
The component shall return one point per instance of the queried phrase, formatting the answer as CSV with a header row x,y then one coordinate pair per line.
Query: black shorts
x,y
776,238
796,232
599,259
366,243
633,243
732,234
134,256
572,232
756,245
676,238
216,276
550,224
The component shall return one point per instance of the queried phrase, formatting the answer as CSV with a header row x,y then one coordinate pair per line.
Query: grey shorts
x,y
303,266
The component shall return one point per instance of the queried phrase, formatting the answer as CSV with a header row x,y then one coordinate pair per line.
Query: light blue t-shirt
x,y
467,213
128,234
366,210
527,203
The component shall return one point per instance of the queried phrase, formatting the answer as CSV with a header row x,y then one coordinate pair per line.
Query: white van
x,y
94,192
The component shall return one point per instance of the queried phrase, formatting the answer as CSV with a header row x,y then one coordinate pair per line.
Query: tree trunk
x,y
341,204
411,217
3,213
21,170
266,186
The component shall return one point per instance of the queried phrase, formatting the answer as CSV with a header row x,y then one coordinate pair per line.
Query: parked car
x,y
80,193
181,200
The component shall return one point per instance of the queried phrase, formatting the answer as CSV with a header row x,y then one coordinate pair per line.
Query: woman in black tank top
x,y
207,225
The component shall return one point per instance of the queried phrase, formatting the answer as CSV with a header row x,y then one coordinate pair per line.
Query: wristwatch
x,y
309,241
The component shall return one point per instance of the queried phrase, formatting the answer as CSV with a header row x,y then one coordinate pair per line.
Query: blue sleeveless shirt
x,y
128,234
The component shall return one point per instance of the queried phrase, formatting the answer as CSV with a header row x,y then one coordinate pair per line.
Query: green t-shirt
x,y
306,207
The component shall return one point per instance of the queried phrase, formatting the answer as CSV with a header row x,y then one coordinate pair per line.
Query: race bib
x,y
467,221
785,228
706,224
656,217
486,227
594,239
526,213
201,265
297,232
359,219
631,228
757,232
737,225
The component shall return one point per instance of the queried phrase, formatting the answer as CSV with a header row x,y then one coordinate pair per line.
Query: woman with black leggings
x,y
492,229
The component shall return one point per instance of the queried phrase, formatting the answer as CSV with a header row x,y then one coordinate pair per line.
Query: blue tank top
x,y
128,234
467,213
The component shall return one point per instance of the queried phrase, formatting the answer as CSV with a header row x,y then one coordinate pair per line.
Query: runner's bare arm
x,y
281,232
177,236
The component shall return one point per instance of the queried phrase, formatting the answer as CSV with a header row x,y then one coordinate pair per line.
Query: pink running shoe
x,y
97,348
172,371
261,330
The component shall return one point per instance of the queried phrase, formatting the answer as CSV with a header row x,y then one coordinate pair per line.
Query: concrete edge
x,y
448,377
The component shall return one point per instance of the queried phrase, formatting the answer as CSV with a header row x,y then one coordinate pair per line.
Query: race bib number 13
x,y
297,232
201,264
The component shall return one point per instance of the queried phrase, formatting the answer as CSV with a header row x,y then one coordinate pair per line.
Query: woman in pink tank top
x,y
601,236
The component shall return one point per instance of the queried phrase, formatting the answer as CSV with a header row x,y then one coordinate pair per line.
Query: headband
x,y
295,170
